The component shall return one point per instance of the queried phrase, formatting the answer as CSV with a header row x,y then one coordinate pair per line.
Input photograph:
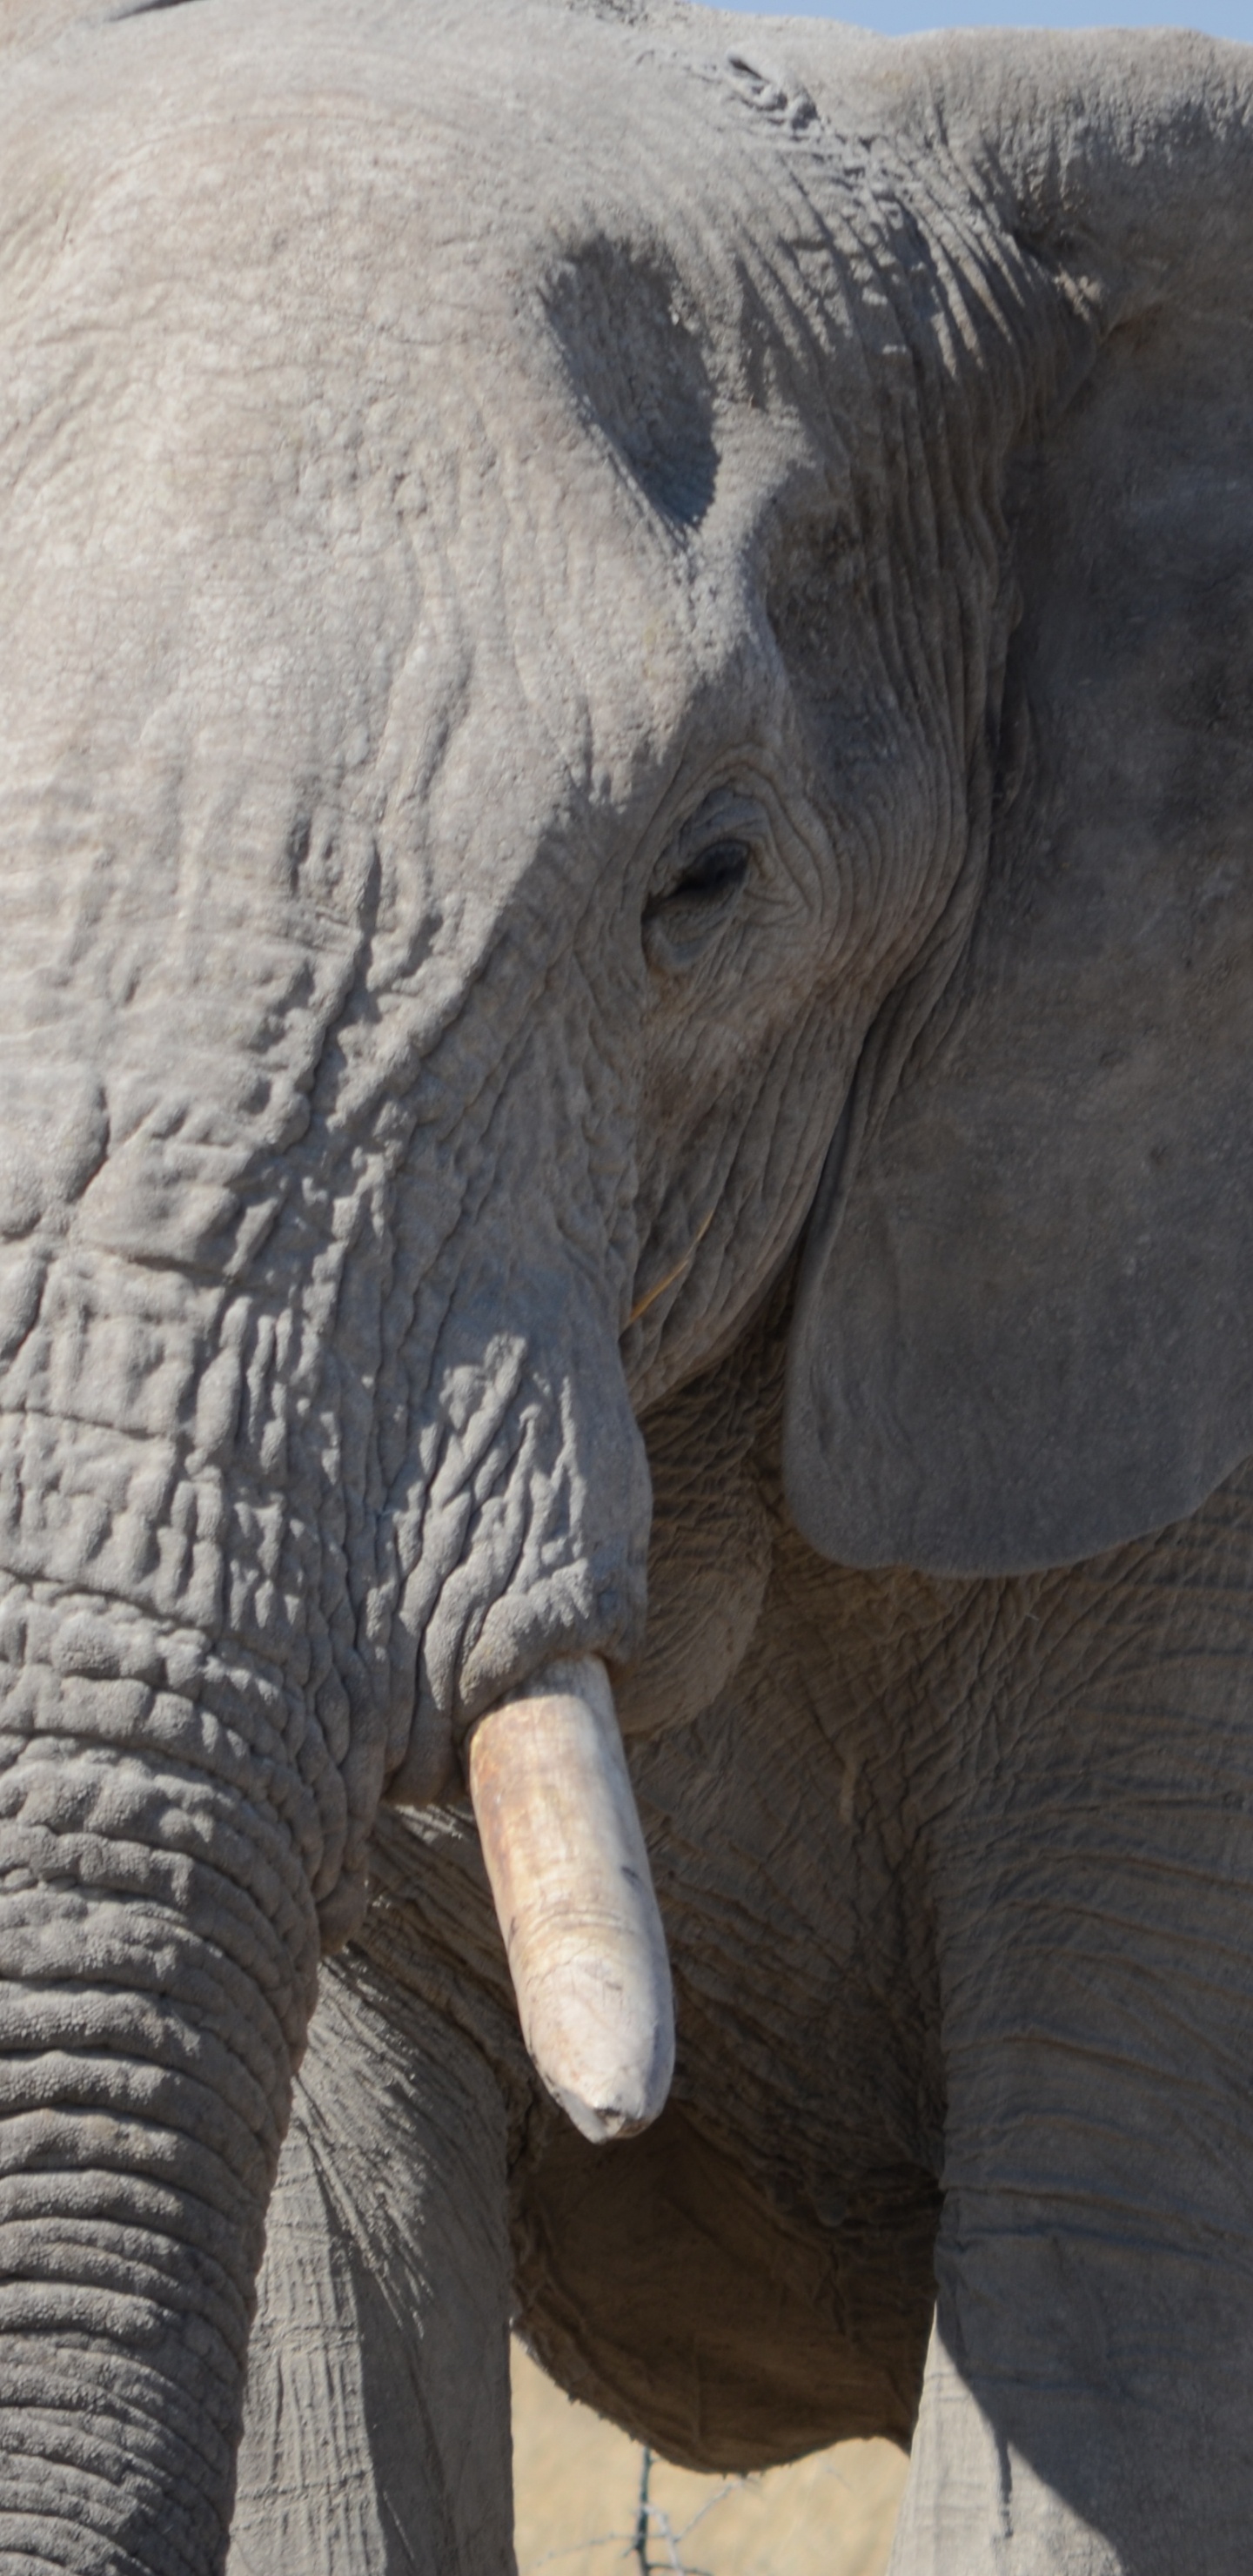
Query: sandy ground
x,y
577,2489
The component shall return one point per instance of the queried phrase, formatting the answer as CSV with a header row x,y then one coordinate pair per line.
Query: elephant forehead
x,y
241,586
494,204
349,451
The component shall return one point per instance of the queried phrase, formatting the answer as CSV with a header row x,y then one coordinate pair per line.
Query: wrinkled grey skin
x,y
625,682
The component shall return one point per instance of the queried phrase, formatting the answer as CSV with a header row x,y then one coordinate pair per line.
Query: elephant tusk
x,y
574,1896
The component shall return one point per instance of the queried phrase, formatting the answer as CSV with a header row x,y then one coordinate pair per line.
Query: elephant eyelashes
x,y
678,922
701,880
717,872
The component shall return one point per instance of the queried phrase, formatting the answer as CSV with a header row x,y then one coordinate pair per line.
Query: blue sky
x,y
898,17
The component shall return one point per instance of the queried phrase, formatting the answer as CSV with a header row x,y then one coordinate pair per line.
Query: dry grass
x,y
589,2502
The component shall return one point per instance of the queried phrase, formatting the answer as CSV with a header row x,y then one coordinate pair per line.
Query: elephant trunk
x,y
158,1947
197,1713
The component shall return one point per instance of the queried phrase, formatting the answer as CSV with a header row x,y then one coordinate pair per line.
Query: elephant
x,y
626,679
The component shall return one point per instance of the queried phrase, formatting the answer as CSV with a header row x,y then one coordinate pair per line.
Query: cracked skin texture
x,y
626,972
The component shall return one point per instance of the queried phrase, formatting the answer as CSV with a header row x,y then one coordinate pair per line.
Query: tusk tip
x,y
609,2101
601,2127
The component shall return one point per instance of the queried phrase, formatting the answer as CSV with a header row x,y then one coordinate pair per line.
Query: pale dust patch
x,y
585,2507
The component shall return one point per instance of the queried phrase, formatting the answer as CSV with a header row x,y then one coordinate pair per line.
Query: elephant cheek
x,y
158,1948
711,1546
706,1584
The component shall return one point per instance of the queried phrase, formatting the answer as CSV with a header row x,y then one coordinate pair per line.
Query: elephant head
x,y
617,658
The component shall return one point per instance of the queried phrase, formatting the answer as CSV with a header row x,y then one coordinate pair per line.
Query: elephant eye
x,y
686,910
718,871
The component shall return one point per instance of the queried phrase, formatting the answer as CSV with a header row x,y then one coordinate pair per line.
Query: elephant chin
x,y
574,1895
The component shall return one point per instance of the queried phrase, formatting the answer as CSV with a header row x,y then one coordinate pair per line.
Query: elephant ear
x,y
1024,1328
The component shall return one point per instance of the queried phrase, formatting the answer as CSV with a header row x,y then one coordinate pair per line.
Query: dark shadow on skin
x,y
144,9
657,2281
639,370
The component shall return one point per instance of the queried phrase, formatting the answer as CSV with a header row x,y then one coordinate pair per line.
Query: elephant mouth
x,y
527,1546
569,1874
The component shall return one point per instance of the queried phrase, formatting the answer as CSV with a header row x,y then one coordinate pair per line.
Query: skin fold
x,y
624,770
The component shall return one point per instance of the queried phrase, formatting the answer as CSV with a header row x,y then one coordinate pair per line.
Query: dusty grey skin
x,y
625,680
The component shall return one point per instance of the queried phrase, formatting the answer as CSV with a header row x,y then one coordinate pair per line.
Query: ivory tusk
x,y
568,1870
